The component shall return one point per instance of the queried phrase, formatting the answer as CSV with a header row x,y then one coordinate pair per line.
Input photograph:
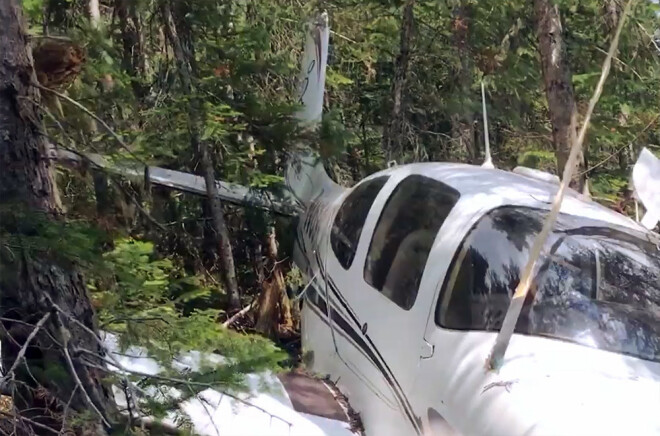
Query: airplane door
x,y
340,268
387,289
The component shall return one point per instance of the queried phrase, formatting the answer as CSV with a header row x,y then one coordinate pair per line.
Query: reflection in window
x,y
597,286
404,235
350,219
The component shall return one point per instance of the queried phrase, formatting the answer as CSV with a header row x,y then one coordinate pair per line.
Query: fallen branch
x,y
99,342
238,315
23,350
29,421
114,362
103,169
186,383
515,307
109,129
77,378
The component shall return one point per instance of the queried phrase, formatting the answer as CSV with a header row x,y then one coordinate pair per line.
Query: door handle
x,y
426,351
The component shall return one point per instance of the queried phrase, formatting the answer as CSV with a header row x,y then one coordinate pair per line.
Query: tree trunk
x,y
102,193
94,13
394,140
221,232
132,40
558,85
462,122
32,281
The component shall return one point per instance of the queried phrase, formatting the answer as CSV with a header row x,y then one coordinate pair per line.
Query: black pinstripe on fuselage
x,y
351,327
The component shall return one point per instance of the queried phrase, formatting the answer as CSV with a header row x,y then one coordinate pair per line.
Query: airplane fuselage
x,y
410,274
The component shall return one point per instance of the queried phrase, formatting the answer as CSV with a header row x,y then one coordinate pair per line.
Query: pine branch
x,y
66,334
110,175
80,106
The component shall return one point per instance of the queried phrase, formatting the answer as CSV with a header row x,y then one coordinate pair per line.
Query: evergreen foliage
x,y
148,254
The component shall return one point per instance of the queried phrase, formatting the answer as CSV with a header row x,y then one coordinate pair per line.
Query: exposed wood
x,y
237,315
29,282
394,135
274,307
557,79
221,232
94,13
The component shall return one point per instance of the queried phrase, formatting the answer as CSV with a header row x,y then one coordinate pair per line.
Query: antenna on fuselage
x,y
489,161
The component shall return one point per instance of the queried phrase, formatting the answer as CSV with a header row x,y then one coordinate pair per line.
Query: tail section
x,y
305,176
311,85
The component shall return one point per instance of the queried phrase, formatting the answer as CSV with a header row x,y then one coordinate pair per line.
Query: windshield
x,y
594,285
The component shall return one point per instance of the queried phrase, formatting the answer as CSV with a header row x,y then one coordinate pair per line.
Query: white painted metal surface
x,y
267,409
646,180
399,369
180,181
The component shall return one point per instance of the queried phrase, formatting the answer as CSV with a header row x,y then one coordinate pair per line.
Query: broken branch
x,y
515,307
23,350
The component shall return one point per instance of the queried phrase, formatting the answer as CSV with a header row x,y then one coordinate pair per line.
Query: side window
x,y
350,219
404,235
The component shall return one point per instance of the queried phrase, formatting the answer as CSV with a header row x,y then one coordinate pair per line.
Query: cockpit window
x,y
350,219
595,285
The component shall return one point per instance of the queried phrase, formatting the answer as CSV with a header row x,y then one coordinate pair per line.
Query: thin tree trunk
x,y
132,39
228,270
140,52
557,79
33,282
394,140
94,13
102,193
462,122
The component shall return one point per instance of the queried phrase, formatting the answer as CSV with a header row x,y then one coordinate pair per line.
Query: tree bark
x,y
32,282
462,122
132,39
274,295
220,230
557,79
394,138
94,13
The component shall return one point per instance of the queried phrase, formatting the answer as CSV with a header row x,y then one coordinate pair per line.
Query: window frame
x,y
385,178
458,255
448,190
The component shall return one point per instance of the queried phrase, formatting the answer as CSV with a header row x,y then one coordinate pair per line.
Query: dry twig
x,y
23,350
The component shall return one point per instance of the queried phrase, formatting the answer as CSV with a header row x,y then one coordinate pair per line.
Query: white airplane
x,y
410,275
411,271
